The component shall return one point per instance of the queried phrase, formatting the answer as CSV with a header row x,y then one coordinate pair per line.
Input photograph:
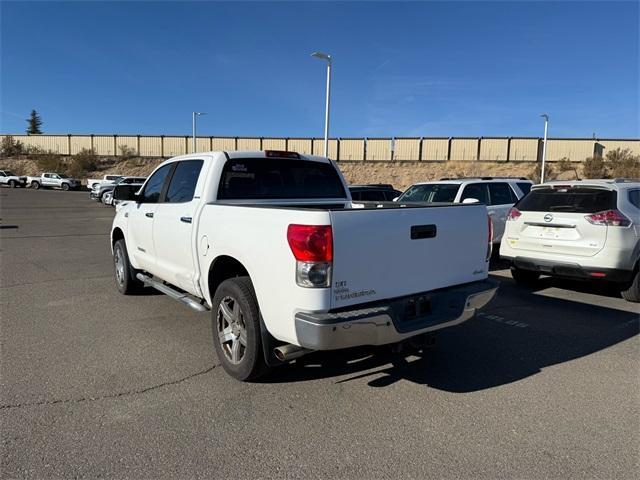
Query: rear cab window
x,y
569,199
279,178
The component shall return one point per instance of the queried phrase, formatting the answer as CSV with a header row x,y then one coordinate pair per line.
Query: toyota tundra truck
x,y
273,246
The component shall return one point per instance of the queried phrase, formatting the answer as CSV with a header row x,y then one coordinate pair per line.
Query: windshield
x,y
278,178
431,192
9,173
573,200
62,175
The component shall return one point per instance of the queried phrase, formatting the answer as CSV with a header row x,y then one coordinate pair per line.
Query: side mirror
x,y
471,200
125,192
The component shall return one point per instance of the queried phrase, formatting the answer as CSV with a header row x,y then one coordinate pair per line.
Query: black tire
x,y
124,273
35,185
524,277
65,186
632,294
249,361
13,183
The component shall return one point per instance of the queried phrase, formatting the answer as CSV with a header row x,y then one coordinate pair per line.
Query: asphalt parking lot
x,y
542,384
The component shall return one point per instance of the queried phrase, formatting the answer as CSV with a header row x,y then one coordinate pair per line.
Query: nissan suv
x,y
583,229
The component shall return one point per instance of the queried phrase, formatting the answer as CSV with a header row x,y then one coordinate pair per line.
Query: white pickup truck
x,y
54,180
97,181
273,245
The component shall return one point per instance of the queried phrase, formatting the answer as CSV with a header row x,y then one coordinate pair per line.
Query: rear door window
x,y
278,178
634,198
572,200
183,181
477,191
501,194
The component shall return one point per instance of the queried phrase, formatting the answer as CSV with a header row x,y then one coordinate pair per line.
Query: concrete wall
x,y
343,149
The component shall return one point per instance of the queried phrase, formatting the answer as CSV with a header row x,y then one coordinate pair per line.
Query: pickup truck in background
x,y
97,181
11,180
271,243
54,180
100,189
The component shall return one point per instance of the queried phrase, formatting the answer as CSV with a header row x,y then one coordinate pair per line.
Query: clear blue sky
x,y
401,69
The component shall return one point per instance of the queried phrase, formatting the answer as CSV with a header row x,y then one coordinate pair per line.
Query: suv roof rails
x,y
626,180
484,178
373,185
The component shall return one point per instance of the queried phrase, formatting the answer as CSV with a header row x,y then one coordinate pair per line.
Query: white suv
x,y
584,229
497,193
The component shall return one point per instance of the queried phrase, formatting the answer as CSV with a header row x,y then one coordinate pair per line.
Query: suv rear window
x,y
524,186
278,178
572,200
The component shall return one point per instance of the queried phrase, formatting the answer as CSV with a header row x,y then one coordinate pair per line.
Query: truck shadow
x,y
517,336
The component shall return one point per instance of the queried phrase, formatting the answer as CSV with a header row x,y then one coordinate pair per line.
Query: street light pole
x,y
544,145
324,56
193,119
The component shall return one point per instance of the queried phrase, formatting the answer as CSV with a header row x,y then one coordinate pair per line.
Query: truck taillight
x,y
514,214
611,218
312,247
490,239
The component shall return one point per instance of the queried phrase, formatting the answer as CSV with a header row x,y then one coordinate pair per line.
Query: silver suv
x,y
584,229
497,193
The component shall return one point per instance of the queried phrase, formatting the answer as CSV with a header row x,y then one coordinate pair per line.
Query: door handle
x,y
186,219
149,214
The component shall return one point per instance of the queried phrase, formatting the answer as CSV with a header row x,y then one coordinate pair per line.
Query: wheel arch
x,y
222,268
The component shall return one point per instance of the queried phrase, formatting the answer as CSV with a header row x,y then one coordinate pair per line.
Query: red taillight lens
x,y
611,218
311,243
514,214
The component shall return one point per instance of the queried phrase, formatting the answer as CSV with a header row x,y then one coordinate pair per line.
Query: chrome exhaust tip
x,y
284,353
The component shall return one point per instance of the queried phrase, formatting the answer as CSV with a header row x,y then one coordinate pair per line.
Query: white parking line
x,y
499,319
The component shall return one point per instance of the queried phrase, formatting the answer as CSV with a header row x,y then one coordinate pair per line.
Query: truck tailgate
x,y
386,253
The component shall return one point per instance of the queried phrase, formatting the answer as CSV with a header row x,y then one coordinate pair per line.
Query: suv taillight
x,y
610,218
490,239
514,214
312,247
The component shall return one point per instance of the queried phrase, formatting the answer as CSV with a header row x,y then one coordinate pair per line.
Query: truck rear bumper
x,y
394,320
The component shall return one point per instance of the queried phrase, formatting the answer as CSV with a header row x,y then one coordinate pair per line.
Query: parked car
x,y
583,229
11,180
271,243
135,185
107,178
54,180
499,194
379,192
99,189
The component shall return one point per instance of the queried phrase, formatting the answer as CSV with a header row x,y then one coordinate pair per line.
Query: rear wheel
x,y
35,185
524,277
236,329
125,274
632,294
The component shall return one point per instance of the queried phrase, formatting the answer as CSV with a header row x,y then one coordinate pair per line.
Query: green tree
x,y
35,122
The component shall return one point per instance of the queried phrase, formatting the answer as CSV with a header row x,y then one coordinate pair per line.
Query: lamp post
x,y
544,145
324,56
193,119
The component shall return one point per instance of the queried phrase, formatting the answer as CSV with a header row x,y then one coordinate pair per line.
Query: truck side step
x,y
171,292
